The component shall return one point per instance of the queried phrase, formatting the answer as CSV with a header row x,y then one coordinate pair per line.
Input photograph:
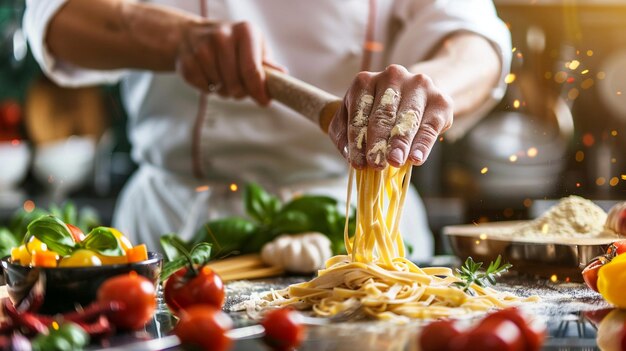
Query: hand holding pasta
x,y
391,117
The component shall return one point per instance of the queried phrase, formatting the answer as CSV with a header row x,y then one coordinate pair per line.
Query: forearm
x,y
109,34
466,67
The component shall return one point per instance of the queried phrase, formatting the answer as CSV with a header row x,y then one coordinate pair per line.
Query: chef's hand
x,y
226,58
391,117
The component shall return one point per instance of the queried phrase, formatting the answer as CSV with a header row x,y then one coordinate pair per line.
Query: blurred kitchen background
x,y
560,130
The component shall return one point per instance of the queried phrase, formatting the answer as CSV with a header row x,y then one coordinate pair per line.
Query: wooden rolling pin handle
x,y
314,103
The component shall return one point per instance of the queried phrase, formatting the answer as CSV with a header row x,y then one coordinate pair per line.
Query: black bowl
x,y
61,289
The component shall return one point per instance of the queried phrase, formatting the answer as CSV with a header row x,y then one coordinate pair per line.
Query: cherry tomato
x,y
438,335
183,289
136,293
533,332
493,334
81,258
205,327
76,232
283,329
590,273
617,248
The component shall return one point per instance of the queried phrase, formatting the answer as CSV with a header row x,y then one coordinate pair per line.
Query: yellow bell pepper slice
x,y
612,281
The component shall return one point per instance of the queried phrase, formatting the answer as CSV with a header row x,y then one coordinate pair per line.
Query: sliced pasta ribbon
x,y
374,274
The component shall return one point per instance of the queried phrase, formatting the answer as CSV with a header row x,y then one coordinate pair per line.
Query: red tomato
x,y
617,248
533,333
283,329
76,232
438,335
205,327
182,289
493,334
136,293
590,273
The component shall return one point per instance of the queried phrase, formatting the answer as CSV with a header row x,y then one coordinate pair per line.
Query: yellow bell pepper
x,y
20,255
35,245
81,258
125,244
24,253
612,281
112,259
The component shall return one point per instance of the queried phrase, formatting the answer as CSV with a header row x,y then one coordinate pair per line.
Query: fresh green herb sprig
x,y
471,273
179,255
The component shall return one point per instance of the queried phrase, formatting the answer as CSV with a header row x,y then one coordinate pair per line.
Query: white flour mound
x,y
573,216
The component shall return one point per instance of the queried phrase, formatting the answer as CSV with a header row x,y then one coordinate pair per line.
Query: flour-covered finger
x,y
437,119
408,118
383,116
359,101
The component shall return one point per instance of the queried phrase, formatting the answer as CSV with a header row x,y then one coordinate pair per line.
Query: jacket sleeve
x,y
35,24
427,23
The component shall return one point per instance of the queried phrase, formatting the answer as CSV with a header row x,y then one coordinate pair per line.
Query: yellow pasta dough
x,y
374,275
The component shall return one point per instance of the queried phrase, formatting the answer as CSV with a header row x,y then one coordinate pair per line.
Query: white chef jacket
x,y
319,42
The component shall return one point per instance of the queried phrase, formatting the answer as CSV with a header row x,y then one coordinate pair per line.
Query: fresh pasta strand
x,y
375,275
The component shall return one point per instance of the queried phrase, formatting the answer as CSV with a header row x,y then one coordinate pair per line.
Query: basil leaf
x,y
169,242
291,222
52,232
226,235
324,217
260,205
322,212
103,241
257,240
200,254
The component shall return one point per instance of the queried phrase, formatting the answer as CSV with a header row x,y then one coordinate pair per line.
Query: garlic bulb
x,y
302,253
616,219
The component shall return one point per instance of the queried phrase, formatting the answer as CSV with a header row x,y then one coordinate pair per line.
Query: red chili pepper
x,y
32,323
93,319
98,329
93,311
